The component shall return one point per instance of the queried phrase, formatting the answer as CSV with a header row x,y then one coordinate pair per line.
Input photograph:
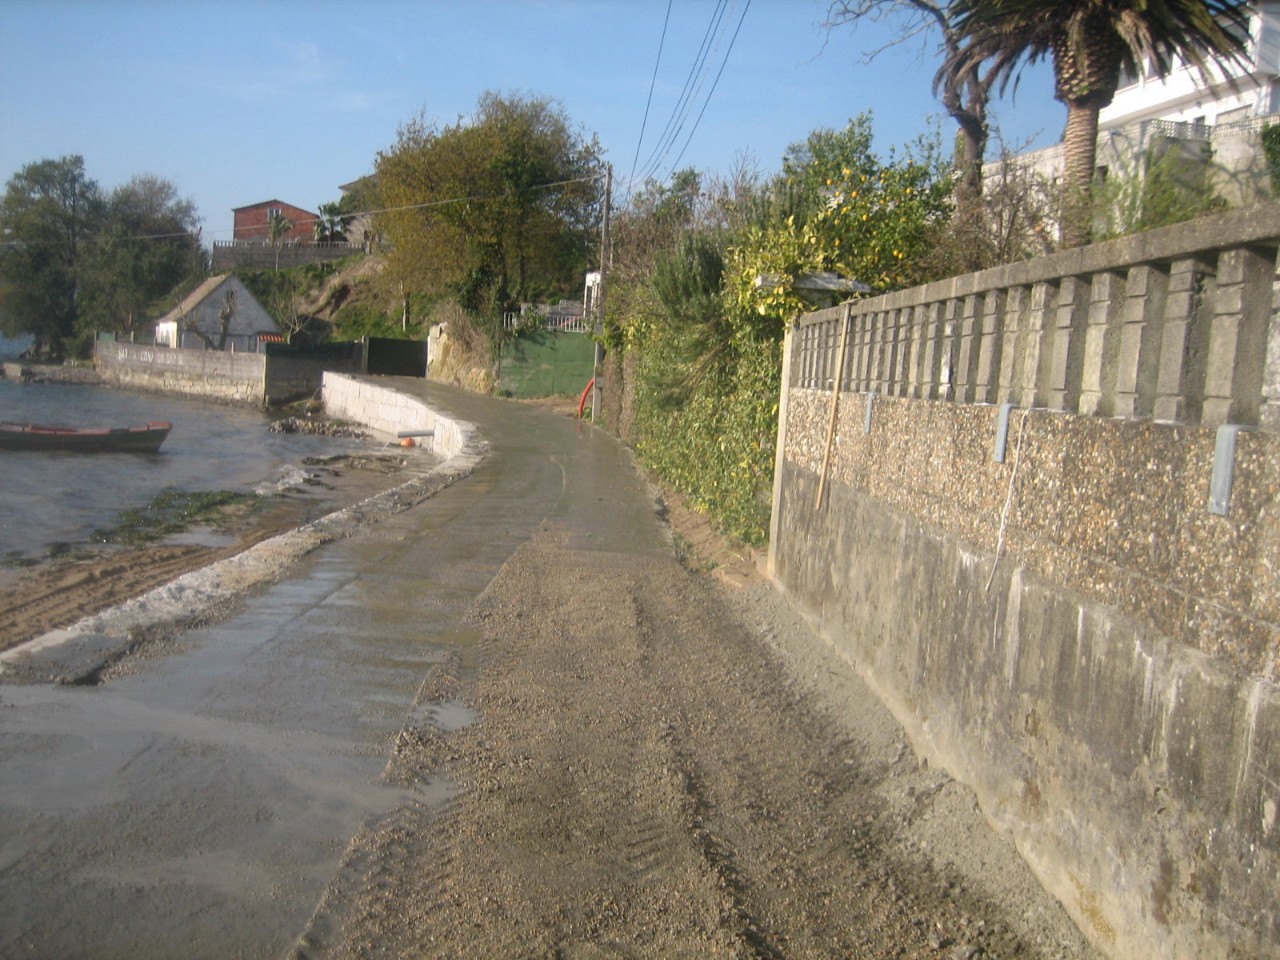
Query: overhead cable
x,y
644,123
676,121
705,103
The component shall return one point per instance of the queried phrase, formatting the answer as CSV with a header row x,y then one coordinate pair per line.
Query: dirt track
x,y
639,783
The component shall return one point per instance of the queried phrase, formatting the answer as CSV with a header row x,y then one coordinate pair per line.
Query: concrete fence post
x,y
1139,341
1269,414
930,373
1071,314
1180,378
990,347
901,352
1038,365
966,371
1101,344
915,348
1012,331
1238,337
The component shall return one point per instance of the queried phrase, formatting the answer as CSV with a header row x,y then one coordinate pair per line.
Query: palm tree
x,y
1090,42
278,226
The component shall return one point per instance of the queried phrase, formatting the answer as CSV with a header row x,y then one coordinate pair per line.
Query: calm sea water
x,y
56,498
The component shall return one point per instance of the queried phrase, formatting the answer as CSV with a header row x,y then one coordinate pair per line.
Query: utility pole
x,y
600,290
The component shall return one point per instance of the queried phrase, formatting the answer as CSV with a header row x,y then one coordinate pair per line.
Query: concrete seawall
x,y
247,378
208,374
383,408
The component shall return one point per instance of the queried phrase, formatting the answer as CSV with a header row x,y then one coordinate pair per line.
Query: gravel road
x,y
650,764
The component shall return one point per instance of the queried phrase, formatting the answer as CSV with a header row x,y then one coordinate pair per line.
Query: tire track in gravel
x,y
642,782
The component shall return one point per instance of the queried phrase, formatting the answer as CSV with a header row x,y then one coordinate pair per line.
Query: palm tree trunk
x,y
1080,144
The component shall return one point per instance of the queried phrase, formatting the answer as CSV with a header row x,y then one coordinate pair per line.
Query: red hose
x,y
582,402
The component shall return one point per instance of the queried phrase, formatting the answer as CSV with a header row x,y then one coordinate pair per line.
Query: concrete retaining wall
x,y
288,378
250,378
1069,629
212,374
384,409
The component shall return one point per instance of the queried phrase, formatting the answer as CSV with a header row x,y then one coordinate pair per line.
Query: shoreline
x,y
54,592
79,651
114,599
23,371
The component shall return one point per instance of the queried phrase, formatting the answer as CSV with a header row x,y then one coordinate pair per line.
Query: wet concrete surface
x,y
199,805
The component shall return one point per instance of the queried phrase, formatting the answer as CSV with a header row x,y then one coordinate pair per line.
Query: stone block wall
x,y
231,255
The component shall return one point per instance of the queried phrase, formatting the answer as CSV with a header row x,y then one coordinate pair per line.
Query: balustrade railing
x,y
1178,324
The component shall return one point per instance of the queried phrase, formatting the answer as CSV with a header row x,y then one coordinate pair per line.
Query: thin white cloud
x,y
278,69
354,101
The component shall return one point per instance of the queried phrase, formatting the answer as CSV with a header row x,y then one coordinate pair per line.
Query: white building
x,y
1218,121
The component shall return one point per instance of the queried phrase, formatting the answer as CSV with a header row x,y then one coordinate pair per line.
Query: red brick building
x,y
251,222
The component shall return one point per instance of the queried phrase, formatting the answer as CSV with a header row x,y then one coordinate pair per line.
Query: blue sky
x,y
239,101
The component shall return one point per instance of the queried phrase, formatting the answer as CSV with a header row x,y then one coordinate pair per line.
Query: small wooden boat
x,y
26,436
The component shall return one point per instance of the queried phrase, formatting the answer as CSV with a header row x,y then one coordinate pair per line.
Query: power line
x,y
665,138
653,81
693,83
715,83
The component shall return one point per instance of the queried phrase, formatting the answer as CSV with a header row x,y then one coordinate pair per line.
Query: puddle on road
x,y
446,717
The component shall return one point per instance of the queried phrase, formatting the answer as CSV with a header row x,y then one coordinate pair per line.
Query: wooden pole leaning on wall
x,y
835,404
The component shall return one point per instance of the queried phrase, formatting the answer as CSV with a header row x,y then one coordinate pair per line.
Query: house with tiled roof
x,y
250,223
220,314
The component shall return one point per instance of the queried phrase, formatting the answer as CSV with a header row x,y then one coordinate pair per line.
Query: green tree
x,y
331,225
706,335
148,243
965,94
49,212
1090,43
494,210
839,207
1168,186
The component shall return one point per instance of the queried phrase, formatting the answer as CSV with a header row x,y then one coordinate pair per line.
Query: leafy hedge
x,y
706,323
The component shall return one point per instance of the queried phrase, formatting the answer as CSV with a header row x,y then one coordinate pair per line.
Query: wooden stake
x,y
835,406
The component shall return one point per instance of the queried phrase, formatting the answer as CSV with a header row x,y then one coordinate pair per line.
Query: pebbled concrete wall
x,y
1104,676
1070,630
